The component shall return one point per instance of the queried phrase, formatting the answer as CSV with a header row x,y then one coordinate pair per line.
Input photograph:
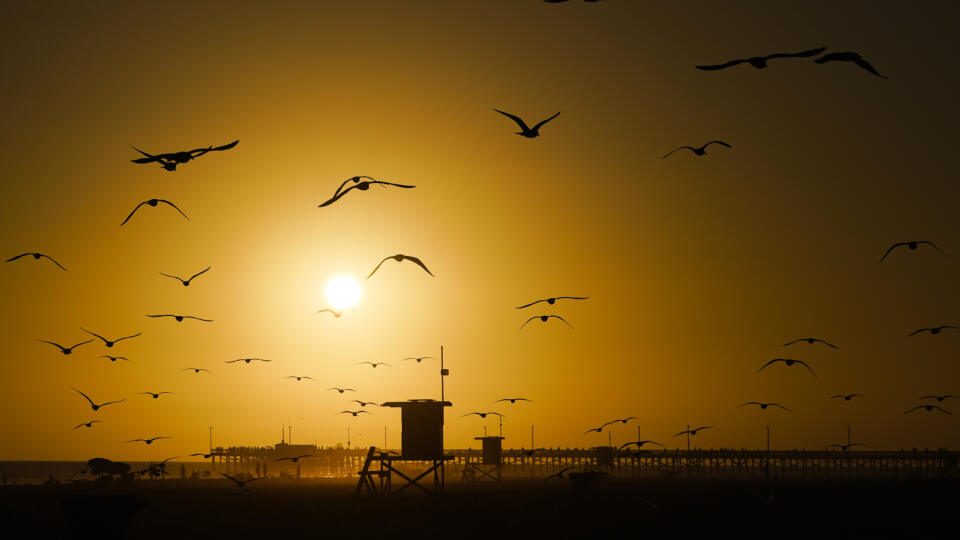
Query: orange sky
x,y
698,269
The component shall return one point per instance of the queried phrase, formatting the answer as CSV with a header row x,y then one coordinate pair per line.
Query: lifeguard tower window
x,y
421,434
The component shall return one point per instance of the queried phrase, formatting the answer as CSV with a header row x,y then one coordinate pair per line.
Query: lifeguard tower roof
x,y
421,435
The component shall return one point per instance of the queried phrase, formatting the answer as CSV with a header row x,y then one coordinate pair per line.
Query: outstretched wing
x,y
57,345
913,409
860,61
536,127
133,212
172,276
105,340
84,395
781,406
827,343
226,146
929,243
174,206
721,143
392,184
942,410
528,320
722,66
915,332
378,266
792,342
806,366
562,319
206,320
62,268
199,273
678,148
802,54
767,364
11,259
893,247
530,304
517,119
149,157
419,263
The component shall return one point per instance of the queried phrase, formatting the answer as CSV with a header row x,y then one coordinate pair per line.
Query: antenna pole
x,y
384,438
768,438
290,434
848,434
442,396
211,439
531,438
688,437
348,438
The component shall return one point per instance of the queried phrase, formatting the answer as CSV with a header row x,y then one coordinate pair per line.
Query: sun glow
x,y
343,292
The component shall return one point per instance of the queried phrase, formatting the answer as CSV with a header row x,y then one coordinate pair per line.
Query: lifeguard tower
x,y
491,460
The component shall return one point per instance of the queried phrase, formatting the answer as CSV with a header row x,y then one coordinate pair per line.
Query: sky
x,y
698,269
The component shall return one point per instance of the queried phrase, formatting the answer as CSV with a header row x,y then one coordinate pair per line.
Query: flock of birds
x,y
169,161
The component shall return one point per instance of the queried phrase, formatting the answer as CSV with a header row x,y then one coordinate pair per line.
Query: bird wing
x,y
355,179
407,186
562,319
573,297
768,363
860,61
206,320
722,66
827,343
792,342
528,320
149,157
748,403
419,263
62,268
682,432
942,410
378,266
232,361
126,337
781,406
536,127
225,147
913,409
284,459
703,427
336,197
721,143
164,315
238,482
81,343
531,303
678,148
133,212
517,119
915,332
112,402
802,54
84,395
929,243
61,347
898,244
806,366
199,273
11,259
174,206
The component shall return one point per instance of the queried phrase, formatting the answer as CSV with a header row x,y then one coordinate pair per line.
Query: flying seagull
x,y
154,394
848,56
342,390
598,429
622,420
93,405
524,130
185,282
153,202
399,257
559,474
912,245
760,62
364,403
294,459
206,456
336,314
483,414
375,364
939,398
87,424
108,342
788,362
246,360
638,443
928,408
148,441
170,160
66,350
420,358
354,413
196,369
241,483
544,318
846,397
362,186
553,300
513,400
692,431
700,150
36,256
180,318
811,341
298,377
764,405
935,330
844,447
114,358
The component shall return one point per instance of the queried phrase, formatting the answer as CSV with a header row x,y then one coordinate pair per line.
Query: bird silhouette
x,y
152,202
811,341
114,358
788,362
87,424
935,330
169,161
37,256
911,245
150,440
298,377
692,431
342,390
180,318
155,395
206,456
246,360
513,400
354,413
939,398
375,364
764,405
483,414
928,408
242,483
598,429
295,458
525,131
196,370
844,447
185,282
419,359
364,403
399,257
362,186
639,444
559,474
336,314
93,405
107,342
848,56
845,397
623,420
700,150
66,350
544,318
553,300
760,62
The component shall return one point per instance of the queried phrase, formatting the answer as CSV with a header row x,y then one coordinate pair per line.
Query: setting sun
x,y
343,292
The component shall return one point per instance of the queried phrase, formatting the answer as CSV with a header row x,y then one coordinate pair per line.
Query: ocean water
x,y
37,472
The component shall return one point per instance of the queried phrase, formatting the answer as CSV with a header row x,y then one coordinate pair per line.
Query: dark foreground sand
x,y
529,509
